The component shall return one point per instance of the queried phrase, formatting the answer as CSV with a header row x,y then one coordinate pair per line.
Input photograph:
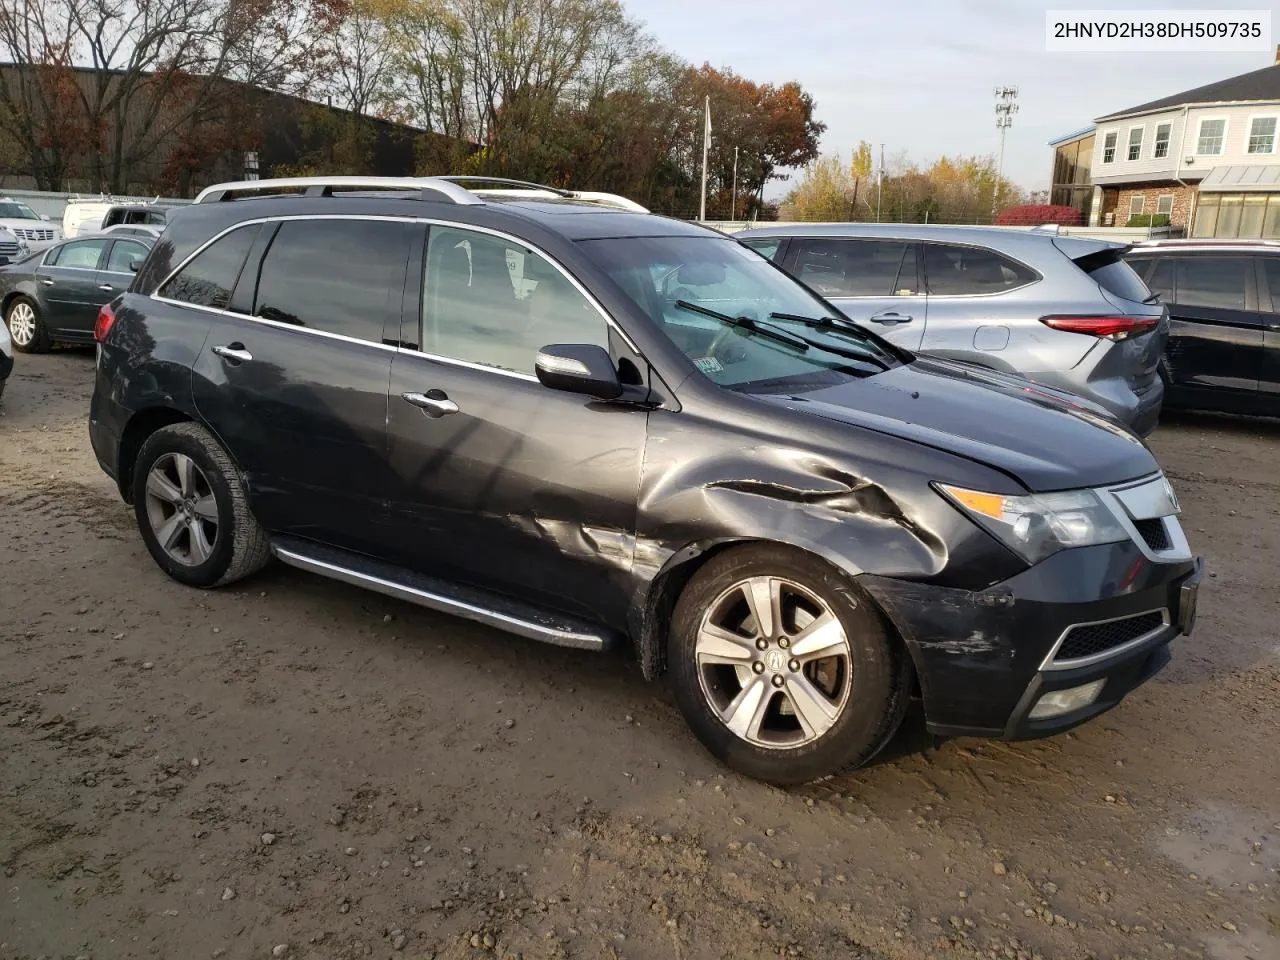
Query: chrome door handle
x,y
105,286
46,282
890,318
436,407
238,354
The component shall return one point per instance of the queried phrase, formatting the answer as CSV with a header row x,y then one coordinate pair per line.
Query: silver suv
x,y
1067,312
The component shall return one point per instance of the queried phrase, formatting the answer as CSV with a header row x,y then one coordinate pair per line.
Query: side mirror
x,y
578,368
135,263
44,216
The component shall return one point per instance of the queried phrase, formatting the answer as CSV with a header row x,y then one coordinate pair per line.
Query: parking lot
x,y
294,767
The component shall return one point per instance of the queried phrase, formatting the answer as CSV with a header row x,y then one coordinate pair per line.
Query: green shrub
x,y
1148,220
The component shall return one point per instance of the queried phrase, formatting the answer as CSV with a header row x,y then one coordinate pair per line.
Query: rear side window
x,y
210,277
1113,275
955,270
857,268
336,276
767,247
79,254
1213,282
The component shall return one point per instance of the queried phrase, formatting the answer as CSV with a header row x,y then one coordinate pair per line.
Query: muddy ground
x,y
295,767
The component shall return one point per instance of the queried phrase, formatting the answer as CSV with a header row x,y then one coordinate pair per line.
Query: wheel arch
x,y
651,626
139,427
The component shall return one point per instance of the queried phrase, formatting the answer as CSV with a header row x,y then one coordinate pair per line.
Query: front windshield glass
x,y
12,210
683,282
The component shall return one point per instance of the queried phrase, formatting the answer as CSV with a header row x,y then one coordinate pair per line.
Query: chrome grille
x,y
33,234
1090,640
8,249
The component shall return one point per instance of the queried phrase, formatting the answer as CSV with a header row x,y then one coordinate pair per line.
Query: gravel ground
x,y
295,768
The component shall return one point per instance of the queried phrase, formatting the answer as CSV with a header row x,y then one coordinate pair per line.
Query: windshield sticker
x,y
708,364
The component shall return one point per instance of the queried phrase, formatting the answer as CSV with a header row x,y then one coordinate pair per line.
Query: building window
x,y
1164,205
1212,135
1163,132
1135,142
1109,147
1137,205
1262,135
1245,215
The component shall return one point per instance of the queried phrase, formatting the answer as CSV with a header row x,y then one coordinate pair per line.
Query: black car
x,y
1223,351
484,404
54,296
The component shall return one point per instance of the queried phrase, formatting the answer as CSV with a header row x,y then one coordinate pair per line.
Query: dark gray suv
x,y
494,406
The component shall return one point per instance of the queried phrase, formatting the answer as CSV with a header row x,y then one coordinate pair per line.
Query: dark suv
x,y
1223,352
485,402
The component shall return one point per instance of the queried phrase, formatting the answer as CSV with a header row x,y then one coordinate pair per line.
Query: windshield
x,y
12,210
699,290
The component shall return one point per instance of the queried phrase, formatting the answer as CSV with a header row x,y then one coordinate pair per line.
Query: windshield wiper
x,y
753,326
835,326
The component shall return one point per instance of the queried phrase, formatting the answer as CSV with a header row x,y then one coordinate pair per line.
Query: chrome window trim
x,y
428,221
1049,664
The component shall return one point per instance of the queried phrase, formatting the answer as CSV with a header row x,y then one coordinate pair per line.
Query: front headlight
x,y
1038,525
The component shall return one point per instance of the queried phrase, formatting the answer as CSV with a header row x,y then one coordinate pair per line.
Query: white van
x,y
88,216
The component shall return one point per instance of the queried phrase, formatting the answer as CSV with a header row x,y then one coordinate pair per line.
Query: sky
x,y
918,75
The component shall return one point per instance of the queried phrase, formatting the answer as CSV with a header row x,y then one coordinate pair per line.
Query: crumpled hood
x,y
1044,438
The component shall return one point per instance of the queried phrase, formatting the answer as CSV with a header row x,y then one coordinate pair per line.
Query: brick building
x,y
1206,159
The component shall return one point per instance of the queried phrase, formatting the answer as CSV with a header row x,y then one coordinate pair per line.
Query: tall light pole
x,y
733,204
880,183
1006,107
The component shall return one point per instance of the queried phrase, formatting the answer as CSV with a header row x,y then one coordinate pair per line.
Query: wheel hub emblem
x,y
776,660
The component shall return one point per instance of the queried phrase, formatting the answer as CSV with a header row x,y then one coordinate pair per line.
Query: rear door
x,y
970,312
117,272
69,286
1215,349
293,375
875,282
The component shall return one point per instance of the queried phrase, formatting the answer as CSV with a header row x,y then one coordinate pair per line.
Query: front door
x,y
875,283
1216,340
117,272
69,287
497,480
294,370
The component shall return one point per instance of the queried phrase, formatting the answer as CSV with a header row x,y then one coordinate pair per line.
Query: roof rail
x,y
324,187
457,189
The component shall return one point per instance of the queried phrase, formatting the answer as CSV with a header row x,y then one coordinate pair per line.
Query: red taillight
x,y
101,327
1113,328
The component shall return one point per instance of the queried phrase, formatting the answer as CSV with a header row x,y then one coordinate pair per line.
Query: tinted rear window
x,y
210,277
1115,276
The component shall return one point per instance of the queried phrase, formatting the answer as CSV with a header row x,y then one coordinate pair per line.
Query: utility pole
x,y
880,183
733,204
706,143
1006,107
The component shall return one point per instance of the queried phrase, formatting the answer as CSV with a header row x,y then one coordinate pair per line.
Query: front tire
x,y
782,668
192,511
27,328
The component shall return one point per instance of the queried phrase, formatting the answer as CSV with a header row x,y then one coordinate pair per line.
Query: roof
x,y
1242,178
1261,84
1073,136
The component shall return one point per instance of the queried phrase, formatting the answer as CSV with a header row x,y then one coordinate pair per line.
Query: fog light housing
x,y
1058,702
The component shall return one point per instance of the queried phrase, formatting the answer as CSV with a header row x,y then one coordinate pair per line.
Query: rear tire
x,y
820,688
192,511
27,328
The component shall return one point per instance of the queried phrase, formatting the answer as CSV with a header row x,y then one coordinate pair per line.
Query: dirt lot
x,y
298,768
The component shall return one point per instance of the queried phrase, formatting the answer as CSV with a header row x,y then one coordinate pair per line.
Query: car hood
x,y
1044,438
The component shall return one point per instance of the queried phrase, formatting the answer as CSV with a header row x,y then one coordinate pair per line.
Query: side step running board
x,y
461,601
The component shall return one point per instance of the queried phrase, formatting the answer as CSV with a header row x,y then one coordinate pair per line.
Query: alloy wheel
x,y
774,662
181,509
22,324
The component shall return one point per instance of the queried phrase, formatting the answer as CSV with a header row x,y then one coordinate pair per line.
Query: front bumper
x,y
986,658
